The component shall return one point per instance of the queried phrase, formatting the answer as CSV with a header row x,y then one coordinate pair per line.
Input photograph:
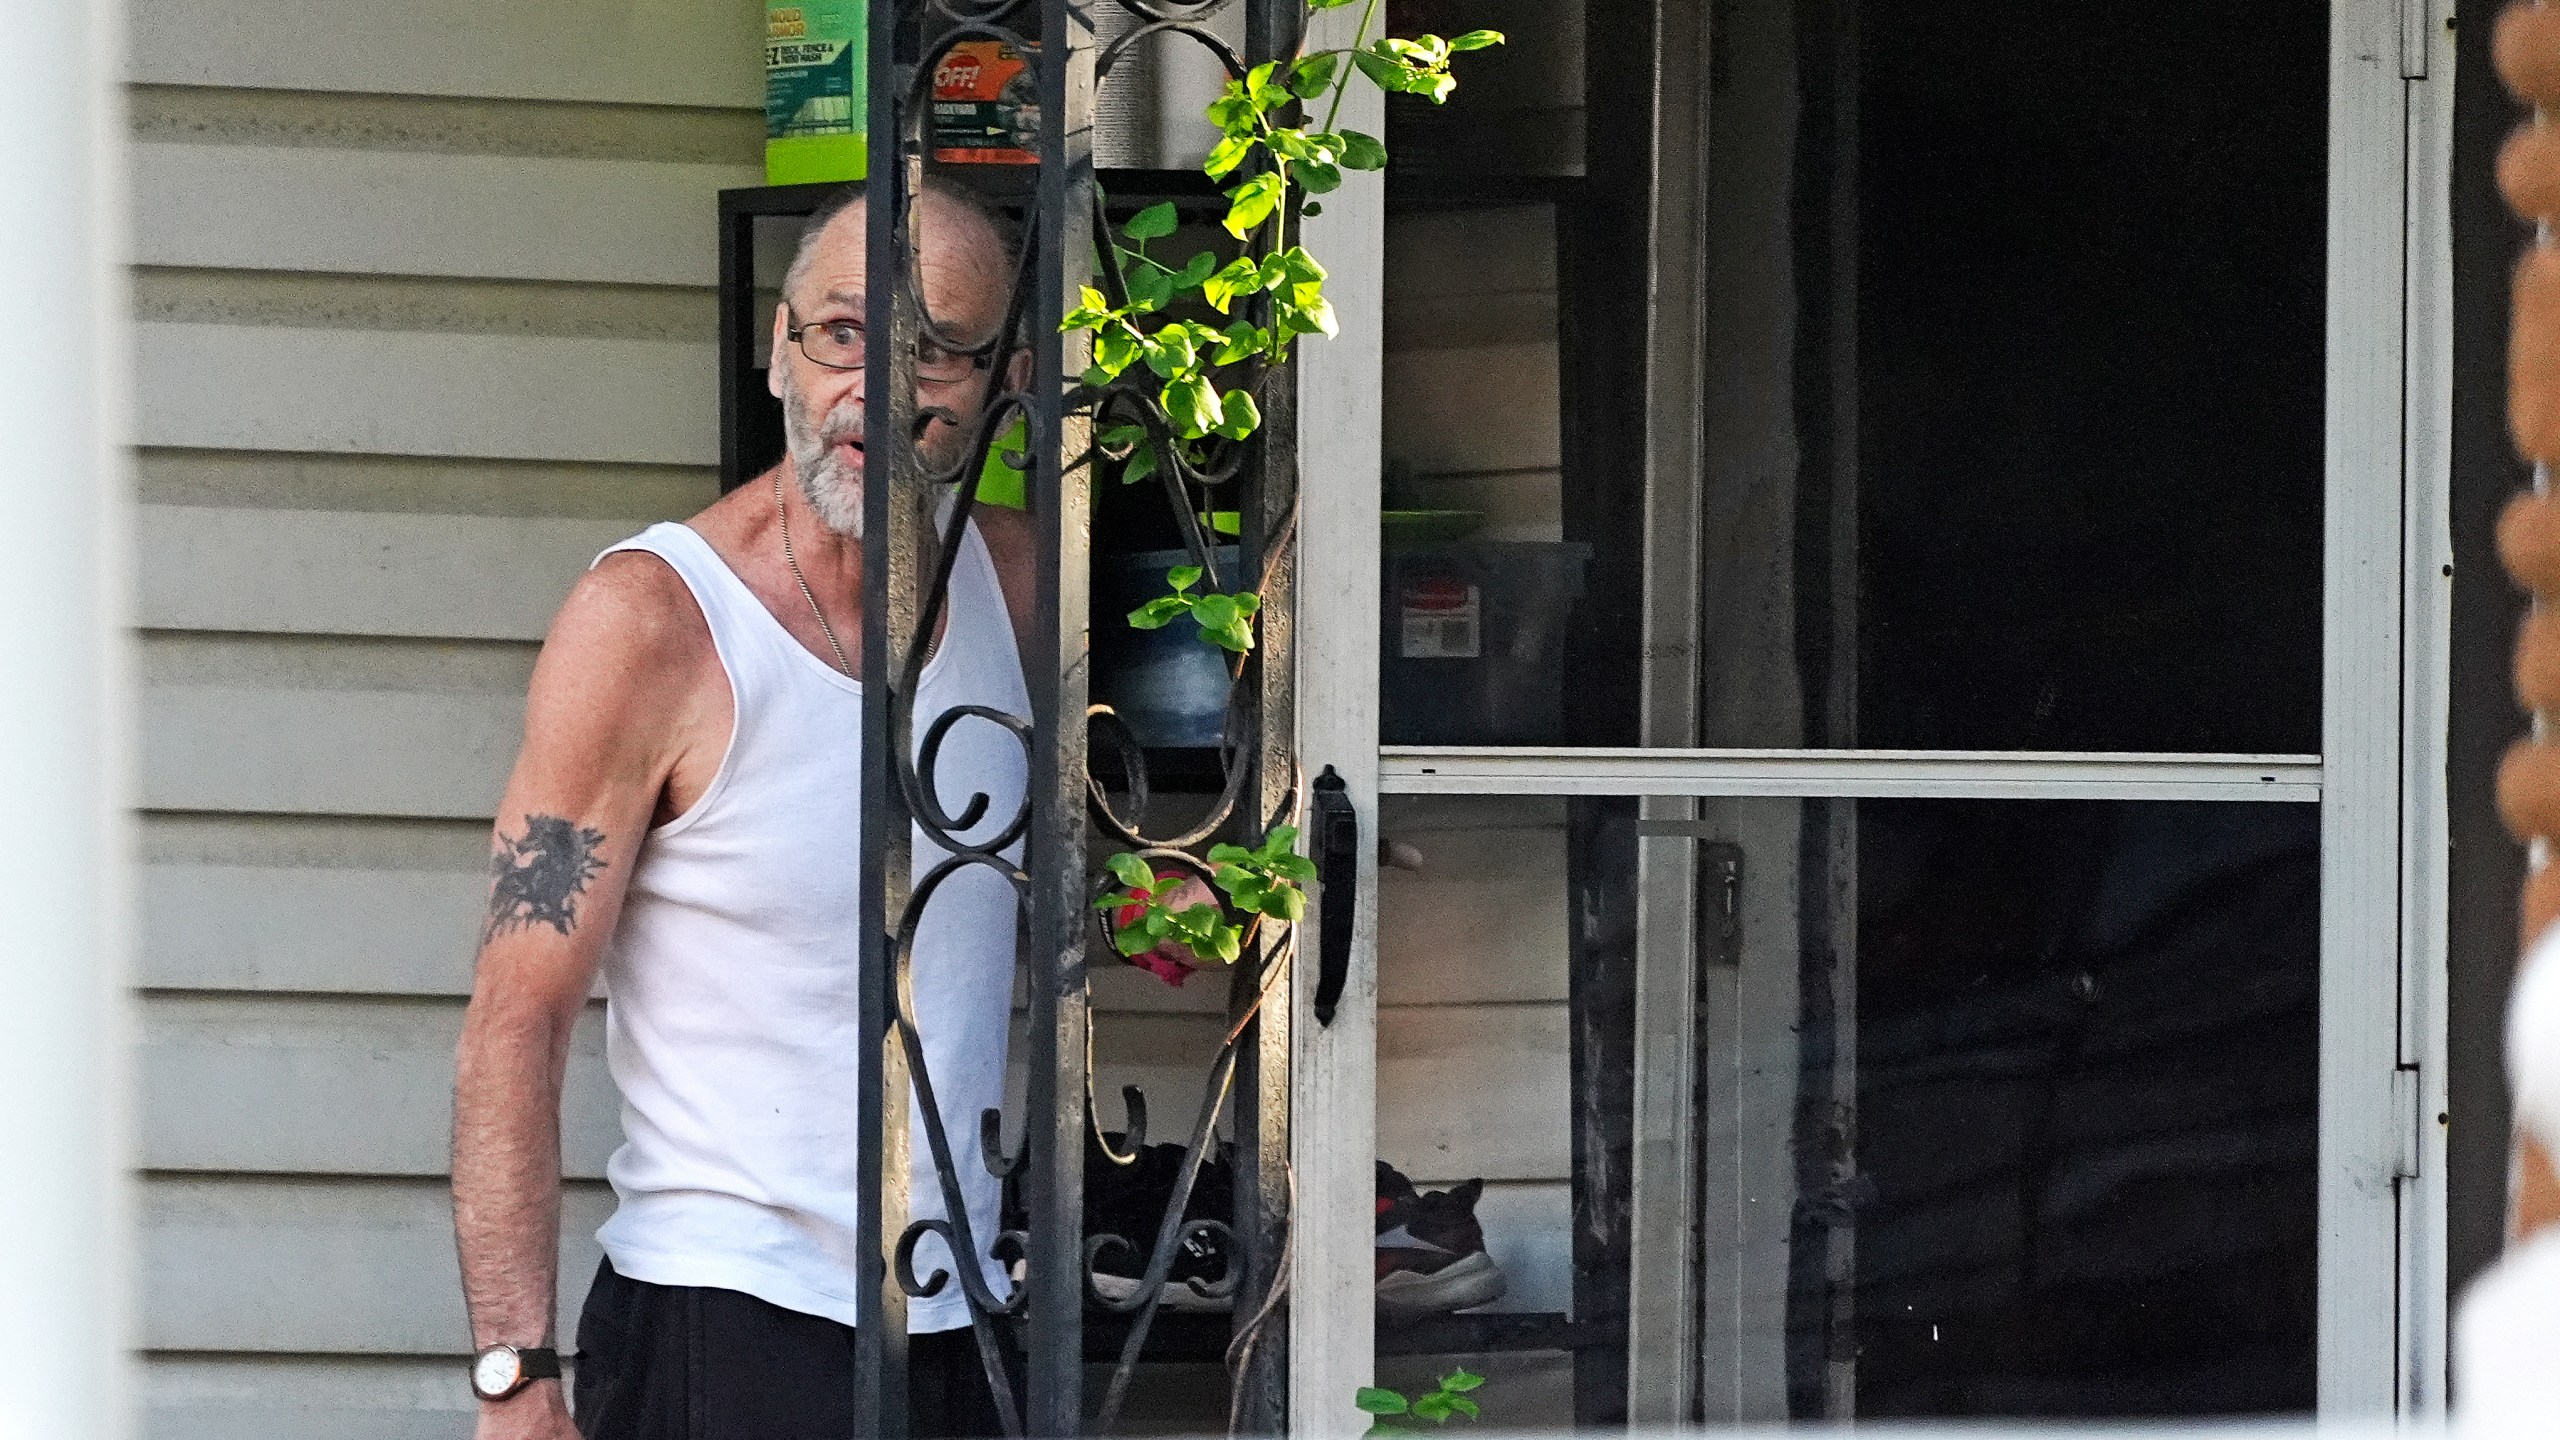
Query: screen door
x,y
1900,909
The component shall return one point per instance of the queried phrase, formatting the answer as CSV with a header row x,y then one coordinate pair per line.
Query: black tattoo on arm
x,y
538,876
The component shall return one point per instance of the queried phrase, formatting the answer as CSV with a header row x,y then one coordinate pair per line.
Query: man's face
x,y
822,421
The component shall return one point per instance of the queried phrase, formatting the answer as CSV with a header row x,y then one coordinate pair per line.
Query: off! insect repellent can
x,y
986,104
815,99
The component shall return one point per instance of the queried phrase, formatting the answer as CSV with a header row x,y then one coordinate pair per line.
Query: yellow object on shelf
x,y
999,483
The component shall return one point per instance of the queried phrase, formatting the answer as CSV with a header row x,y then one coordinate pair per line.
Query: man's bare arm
x,y
618,681
1009,540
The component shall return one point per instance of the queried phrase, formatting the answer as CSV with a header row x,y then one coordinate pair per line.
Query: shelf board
x,y
1443,189
1406,189
999,183
1491,1333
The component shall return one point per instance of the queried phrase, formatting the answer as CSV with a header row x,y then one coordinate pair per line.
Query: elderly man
x,y
685,813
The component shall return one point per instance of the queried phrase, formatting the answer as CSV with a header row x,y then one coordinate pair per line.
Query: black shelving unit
x,y
1202,1339
750,419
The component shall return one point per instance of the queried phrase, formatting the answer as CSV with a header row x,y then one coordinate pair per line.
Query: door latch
x,y
1337,858
2408,1121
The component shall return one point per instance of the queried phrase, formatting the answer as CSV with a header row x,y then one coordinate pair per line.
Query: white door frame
x,y
2427,66
2379,778
1333,1101
2384,1332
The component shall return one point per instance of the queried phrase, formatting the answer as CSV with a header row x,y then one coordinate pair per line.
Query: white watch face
x,y
494,1372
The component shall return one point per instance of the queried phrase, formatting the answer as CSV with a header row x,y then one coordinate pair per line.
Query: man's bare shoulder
x,y
626,677
1007,532
734,521
630,621
1010,545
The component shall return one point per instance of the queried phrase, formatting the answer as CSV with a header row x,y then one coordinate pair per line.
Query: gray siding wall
x,y
424,321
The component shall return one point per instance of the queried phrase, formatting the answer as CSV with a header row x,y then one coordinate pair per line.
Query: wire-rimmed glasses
x,y
838,345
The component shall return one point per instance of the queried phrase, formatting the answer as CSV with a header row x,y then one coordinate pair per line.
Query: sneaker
x,y
1201,1259
1431,1255
1178,1297
1129,1200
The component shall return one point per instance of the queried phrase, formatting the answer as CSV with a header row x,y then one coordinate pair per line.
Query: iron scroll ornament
x,y
904,799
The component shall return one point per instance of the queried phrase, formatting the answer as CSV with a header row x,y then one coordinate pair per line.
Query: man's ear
x,y
774,359
1017,371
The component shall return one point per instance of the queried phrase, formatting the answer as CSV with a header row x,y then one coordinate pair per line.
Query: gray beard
x,y
834,493
833,488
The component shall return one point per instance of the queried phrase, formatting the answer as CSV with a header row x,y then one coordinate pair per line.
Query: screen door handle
x,y
1338,871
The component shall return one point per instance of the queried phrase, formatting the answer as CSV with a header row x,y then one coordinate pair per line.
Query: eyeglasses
x,y
838,345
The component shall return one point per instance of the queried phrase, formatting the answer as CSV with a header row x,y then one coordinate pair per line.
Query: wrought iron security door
x,y
910,552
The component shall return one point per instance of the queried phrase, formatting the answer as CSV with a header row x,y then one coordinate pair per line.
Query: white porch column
x,y
62,846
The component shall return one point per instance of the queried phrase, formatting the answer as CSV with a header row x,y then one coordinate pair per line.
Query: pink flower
x,y
1172,961
1162,966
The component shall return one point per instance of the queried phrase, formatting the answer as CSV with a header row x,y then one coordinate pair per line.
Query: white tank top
x,y
730,1016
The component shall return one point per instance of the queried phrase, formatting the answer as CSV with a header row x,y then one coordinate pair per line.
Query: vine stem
x,y
1333,112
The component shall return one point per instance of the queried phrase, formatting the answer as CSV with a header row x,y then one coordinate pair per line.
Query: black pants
x,y
677,1362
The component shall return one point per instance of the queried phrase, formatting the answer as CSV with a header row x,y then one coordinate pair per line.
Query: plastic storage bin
x,y
1472,642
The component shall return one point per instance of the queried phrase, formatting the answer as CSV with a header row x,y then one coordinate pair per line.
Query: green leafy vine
x,y
1225,621
1391,1413
1268,151
1148,915
1266,879
1265,882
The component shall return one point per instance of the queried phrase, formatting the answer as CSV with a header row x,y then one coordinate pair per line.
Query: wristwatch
x,y
498,1371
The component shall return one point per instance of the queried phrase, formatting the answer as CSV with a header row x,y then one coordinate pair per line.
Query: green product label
x,y
816,159
814,68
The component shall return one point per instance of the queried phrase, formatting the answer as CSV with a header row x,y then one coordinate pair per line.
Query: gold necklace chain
x,y
782,514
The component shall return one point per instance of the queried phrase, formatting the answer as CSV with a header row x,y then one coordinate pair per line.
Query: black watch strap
x,y
543,1364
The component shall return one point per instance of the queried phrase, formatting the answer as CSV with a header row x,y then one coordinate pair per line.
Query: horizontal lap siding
x,y
376,392
283,927
671,52
319,572
330,1086
318,1265
1474,1049
261,749
304,1397
423,322
497,217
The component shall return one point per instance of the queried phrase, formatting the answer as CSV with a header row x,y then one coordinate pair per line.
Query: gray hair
x,y
999,233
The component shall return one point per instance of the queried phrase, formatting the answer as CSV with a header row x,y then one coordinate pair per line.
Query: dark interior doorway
x,y
2058,363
